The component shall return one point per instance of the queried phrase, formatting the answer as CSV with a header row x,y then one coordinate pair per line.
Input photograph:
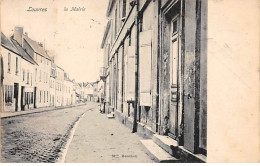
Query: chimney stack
x,y
18,34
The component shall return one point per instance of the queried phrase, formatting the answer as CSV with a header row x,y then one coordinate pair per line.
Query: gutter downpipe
x,y
136,108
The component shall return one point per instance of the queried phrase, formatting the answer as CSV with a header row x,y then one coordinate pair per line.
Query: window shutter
x,y
131,73
145,60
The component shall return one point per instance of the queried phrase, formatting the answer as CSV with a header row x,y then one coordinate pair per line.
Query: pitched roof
x,y
36,47
22,53
5,42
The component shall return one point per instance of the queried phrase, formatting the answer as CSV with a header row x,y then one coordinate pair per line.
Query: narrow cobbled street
x,y
38,137
42,137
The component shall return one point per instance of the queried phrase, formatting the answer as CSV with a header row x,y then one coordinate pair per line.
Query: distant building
x,y
68,91
59,87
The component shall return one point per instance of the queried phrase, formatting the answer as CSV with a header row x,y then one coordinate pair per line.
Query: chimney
x,y
26,34
40,44
18,32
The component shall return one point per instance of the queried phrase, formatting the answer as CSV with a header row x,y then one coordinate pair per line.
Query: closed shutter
x,y
145,60
130,73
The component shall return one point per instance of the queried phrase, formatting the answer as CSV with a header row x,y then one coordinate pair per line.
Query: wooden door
x,y
174,70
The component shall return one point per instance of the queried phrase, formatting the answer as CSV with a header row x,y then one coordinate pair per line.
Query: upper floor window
x,y
16,66
40,78
23,75
115,22
28,77
9,62
31,79
35,74
123,10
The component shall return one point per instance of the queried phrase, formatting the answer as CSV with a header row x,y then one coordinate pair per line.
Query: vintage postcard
x,y
129,81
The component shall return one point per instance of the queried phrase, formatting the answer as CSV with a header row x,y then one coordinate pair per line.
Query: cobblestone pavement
x,y
38,137
103,140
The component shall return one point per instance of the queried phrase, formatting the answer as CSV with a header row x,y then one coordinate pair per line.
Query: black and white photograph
x,y
129,81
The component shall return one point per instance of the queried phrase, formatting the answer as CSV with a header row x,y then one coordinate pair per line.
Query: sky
x,y
75,36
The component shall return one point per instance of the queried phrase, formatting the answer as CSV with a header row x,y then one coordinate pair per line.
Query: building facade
x,y
59,84
155,69
31,78
12,74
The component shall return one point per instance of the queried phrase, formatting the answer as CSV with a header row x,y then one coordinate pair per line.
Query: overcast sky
x,y
75,36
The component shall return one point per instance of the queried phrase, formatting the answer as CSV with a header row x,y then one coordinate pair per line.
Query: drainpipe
x,y
136,108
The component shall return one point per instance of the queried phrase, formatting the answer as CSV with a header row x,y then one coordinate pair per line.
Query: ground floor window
x,y
8,94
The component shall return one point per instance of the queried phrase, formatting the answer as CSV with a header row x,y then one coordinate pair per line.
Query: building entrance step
x,y
111,115
166,143
157,153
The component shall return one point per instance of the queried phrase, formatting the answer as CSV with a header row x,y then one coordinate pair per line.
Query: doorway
x,y
174,77
16,94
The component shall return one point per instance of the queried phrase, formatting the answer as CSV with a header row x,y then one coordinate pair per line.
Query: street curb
x,y
56,108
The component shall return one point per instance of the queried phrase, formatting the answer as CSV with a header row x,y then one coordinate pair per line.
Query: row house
x,y
69,94
100,91
155,71
32,79
52,84
27,78
11,68
59,84
41,71
78,91
18,71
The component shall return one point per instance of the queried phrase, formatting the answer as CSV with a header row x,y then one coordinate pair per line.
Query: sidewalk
x,y
98,139
36,110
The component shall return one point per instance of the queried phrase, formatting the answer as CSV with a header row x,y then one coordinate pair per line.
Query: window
x,y
16,66
115,22
9,62
141,23
174,27
35,74
28,77
40,98
8,94
40,78
124,10
23,75
145,62
31,79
